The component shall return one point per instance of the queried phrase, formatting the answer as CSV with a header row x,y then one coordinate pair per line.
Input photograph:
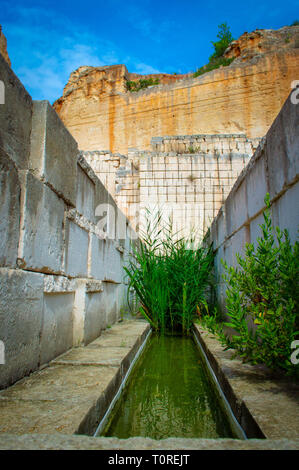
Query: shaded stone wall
x,y
188,177
61,277
274,168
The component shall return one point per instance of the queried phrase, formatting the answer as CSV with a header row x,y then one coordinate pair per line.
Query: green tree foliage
x,y
168,277
225,38
216,59
263,300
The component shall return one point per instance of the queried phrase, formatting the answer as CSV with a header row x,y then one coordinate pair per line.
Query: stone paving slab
x,y
73,392
109,356
59,441
262,402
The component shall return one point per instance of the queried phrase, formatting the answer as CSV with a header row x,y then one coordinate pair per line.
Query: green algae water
x,y
169,395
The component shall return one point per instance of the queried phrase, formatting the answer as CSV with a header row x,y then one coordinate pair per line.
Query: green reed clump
x,y
169,275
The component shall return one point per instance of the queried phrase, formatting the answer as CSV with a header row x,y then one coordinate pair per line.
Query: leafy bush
x,y
141,84
217,60
212,65
263,300
295,23
169,277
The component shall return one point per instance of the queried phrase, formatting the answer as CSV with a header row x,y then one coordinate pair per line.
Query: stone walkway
x,y
72,393
267,406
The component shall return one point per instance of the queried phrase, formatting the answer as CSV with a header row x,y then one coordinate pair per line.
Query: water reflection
x,y
169,395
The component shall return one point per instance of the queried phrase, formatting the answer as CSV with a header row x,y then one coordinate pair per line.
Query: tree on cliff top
x,y
217,60
225,38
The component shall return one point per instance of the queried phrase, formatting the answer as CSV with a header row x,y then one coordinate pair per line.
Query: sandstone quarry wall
x,y
61,277
274,168
242,98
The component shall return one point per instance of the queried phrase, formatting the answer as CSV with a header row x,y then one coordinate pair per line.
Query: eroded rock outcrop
x,y
3,47
244,97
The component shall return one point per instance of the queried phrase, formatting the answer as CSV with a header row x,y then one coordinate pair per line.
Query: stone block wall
x,y
273,169
61,278
188,177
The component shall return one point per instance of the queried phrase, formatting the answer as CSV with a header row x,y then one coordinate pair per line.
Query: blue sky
x,y
47,40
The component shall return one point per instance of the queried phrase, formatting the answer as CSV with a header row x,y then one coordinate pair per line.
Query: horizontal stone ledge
x,y
78,442
56,284
72,394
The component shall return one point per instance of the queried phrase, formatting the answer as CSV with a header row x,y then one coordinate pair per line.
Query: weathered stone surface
x,y
55,399
243,97
57,329
66,442
10,191
76,250
94,356
52,151
74,392
3,47
15,117
94,321
21,314
41,241
271,401
85,202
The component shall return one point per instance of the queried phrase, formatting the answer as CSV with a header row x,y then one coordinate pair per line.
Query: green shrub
x,y
169,275
141,84
263,291
295,23
212,65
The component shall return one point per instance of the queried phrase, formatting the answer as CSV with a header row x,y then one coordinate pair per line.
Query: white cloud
x,y
45,49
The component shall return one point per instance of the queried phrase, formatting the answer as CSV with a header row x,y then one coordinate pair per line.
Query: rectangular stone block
x,y
236,208
54,152
290,120
21,312
57,329
257,186
85,200
41,239
277,160
76,257
10,191
15,117
95,262
95,318
286,212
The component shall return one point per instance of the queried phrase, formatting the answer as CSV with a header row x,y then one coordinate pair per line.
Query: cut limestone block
x,y
10,191
21,312
54,152
76,259
41,239
15,117
57,329
85,202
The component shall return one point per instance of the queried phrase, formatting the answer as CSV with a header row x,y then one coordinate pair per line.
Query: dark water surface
x,y
168,394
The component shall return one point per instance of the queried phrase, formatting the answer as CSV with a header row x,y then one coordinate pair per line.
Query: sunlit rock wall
x,y
242,98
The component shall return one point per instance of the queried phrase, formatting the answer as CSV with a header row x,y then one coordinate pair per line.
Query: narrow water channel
x,y
169,394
